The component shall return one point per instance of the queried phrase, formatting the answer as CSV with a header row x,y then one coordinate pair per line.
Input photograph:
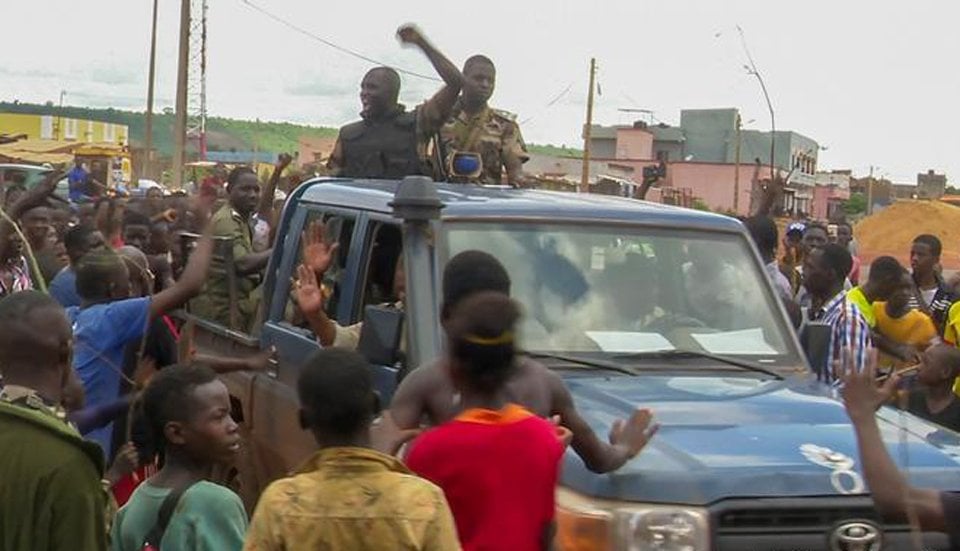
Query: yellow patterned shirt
x,y
352,498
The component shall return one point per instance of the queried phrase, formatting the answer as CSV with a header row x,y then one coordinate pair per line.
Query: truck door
x,y
380,283
283,444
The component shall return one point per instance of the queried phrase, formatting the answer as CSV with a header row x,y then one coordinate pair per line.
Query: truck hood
x,y
725,437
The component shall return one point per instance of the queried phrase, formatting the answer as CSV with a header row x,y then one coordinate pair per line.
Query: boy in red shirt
x,y
496,462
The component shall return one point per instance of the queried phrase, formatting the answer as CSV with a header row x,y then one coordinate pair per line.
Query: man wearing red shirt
x,y
497,462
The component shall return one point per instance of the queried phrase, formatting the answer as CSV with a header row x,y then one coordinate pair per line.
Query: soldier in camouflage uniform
x,y
476,128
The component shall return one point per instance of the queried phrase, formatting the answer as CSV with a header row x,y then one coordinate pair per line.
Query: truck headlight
x,y
587,524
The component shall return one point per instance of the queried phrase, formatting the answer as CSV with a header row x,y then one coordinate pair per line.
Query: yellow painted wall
x,y
47,127
16,123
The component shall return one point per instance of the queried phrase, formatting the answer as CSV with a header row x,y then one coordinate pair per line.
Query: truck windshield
x,y
622,291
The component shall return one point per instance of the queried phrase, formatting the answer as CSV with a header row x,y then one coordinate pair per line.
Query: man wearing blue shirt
x,y
77,180
108,319
78,240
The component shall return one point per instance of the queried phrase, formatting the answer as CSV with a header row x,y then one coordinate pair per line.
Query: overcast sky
x,y
876,82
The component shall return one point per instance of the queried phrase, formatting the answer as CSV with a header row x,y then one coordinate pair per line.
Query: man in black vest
x,y
390,142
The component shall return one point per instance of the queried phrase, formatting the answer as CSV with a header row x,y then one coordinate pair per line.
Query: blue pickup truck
x,y
634,304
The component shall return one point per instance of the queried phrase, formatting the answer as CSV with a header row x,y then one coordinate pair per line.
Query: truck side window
x,y
380,285
338,229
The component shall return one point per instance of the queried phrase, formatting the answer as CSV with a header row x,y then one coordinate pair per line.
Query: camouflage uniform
x,y
213,303
491,133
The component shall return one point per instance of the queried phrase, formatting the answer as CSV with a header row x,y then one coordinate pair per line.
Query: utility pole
x,y
197,77
180,126
870,193
587,130
59,133
736,175
148,158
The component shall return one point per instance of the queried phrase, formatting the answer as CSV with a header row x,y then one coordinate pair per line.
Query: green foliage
x,y
268,136
856,204
700,204
555,151
264,136
272,137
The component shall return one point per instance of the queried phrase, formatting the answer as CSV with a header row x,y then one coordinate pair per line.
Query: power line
x,y
550,103
337,47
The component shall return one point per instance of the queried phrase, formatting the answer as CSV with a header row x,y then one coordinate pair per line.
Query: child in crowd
x,y
348,496
935,400
188,409
497,462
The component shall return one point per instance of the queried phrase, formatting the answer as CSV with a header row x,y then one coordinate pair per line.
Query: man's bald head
x,y
35,342
379,91
389,75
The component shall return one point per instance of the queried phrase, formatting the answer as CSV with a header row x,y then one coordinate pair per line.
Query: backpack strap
x,y
169,505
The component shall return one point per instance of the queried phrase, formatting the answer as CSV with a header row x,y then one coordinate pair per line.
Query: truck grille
x,y
796,518
803,524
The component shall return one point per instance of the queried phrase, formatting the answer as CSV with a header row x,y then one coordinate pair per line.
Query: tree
x,y
856,204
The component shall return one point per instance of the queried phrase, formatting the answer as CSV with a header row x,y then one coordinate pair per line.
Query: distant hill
x,y
223,134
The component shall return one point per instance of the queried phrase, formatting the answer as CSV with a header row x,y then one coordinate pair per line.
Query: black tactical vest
x,y
384,149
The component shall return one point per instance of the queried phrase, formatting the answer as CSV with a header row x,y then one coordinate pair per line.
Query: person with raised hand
x,y
893,496
390,142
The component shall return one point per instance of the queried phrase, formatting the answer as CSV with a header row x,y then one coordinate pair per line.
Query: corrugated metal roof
x,y
41,146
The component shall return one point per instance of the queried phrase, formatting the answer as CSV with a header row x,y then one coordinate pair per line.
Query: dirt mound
x,y
891,231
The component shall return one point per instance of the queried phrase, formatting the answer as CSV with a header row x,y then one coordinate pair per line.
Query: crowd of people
x,y
892,340
100,408
908,314
92,377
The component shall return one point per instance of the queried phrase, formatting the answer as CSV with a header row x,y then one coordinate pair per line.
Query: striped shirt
x,y
939,307
17,272
848,330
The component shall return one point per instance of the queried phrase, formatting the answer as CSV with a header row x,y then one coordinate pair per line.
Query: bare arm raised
x,y
439,107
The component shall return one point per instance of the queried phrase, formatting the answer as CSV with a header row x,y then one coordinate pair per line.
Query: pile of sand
x,y
891,231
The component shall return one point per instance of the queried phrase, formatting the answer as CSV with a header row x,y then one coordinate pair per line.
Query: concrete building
x,y
315,151
931,185
905,191
701,157
50,127
880,191
830,191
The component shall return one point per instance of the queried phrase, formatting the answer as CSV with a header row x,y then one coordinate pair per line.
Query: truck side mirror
x,y
815,339
380,335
